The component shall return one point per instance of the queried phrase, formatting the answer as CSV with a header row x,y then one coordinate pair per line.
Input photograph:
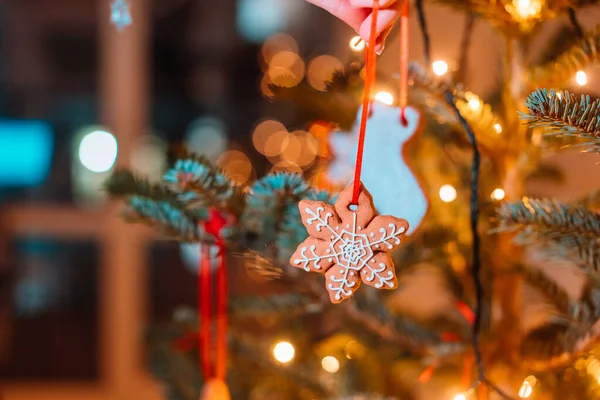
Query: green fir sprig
x,y
549,215
565,114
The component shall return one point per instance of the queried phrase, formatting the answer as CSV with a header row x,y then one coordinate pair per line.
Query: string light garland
x,y
474,219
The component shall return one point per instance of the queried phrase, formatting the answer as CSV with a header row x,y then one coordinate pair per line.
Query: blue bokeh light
x,y
26,148
258,19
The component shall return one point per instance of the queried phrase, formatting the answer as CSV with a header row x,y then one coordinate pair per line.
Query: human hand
x,y
359,13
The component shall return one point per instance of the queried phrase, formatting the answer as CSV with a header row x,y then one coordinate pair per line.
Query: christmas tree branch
x,y
201,186
153,205
548,287
558,72
478,114
285,303
563,114
550,216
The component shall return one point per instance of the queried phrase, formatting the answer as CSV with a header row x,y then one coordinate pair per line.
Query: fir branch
x,y
548,287
168,218
482,119
249,348
290,304
565,115
587,309
558,72
255,263
272,212
201,186
584,250
554,345
550,216
124,183
153,205
376,318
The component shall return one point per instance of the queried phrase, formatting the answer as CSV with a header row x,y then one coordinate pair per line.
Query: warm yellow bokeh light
x,y
498,128
460,397
474,104
263,131
357,44
321,70
385,97
527,9
291,148
526,389
439,67
276,44
354,350
236,165
581,78
284,352
330,364
274,144
286,69
497,194
309,147
447,193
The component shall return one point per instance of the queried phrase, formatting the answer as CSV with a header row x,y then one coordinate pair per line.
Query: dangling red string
x,y
403,90
370,68
204,308
218,369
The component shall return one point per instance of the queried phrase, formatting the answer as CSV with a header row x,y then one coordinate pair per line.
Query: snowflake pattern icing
x,y
349,245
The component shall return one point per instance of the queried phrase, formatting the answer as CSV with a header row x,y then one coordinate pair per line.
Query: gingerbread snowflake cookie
x,y
349,244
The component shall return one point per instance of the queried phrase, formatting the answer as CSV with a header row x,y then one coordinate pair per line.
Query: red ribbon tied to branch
x,y
213,226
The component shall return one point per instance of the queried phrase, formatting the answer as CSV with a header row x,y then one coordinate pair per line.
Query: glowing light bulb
x,y
439,67
330,364
527,9
460,397
385,98
98,151
447,193
474,104
357,44
498,128
284,352
497,194
581,78
526,389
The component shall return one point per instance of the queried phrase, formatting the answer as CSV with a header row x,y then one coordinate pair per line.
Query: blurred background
x,y
78,97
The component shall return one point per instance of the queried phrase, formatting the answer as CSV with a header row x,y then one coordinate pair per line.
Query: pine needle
x,y
550,216
565,114
558,72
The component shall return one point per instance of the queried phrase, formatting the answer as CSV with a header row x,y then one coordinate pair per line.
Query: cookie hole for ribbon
x,y
353,207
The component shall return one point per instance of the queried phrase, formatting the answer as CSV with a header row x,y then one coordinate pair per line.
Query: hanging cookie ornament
x,y
349,242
